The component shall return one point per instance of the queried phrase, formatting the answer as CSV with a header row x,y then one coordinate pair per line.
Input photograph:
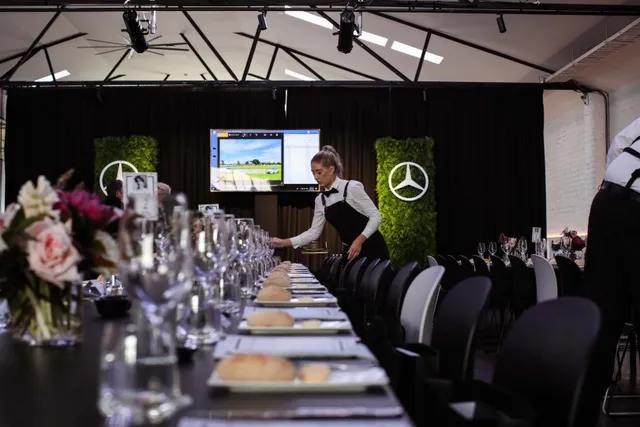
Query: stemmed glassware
x,y
159,283
493,248
481,249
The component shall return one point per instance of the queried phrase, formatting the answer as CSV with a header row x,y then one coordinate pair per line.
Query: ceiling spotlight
x,y
262,20
135,31
345,33
502,27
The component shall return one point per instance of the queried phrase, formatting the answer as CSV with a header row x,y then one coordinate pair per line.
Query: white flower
x,y
38,200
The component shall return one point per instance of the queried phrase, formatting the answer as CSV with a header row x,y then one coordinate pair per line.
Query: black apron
x,y
350,223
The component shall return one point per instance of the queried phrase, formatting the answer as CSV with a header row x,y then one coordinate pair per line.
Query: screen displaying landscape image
x,y
258,159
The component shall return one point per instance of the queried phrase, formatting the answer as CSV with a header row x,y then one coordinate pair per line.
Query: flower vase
x,y
46,315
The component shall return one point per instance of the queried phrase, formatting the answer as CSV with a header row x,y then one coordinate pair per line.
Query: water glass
x,y
137,383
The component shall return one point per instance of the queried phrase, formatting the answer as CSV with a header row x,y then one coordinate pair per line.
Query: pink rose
x,y
86,203
51,254
7,217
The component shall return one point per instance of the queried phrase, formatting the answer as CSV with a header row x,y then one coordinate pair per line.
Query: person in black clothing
x,y
612,277
114,194
346,206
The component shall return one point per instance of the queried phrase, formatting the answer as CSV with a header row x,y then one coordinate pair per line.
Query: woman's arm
x,y
623,140
313,233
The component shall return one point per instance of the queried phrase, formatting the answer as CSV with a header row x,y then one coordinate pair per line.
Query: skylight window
x,y
414,51
59,75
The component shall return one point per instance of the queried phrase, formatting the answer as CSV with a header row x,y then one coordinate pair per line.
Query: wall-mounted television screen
x,y
263,160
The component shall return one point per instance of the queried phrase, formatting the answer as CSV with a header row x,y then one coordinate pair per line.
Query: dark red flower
x,y
577,244
88,204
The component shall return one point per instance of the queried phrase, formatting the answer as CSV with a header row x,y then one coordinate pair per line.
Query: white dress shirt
x,y
357,198
621,165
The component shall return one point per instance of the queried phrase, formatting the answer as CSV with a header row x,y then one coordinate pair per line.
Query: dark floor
x,y
485,360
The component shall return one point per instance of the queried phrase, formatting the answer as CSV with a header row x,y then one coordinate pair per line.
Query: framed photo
x,y
143,186
209,209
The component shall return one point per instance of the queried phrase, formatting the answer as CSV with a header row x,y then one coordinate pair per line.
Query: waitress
x,y
346,206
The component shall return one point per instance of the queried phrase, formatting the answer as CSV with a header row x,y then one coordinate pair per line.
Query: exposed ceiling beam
x,y
43,46
492,8
273,84
279,46
465,43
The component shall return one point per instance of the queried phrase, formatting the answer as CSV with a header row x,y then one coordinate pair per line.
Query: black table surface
x,y
58,387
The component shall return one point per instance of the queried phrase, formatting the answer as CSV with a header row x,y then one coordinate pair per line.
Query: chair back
x,y
366,278
482,269
546,282
344,274
334,272
545,356
355,274
571,280
455,325
375,293
398,289
432,261
524,285
419,305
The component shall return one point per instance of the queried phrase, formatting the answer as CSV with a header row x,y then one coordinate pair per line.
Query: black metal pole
x,y
203,77
252,51
306,55
27,54
257,76
273,61
424,51
53,73
213,49
193,49
464,42
115,67
166,78
368,50
305,65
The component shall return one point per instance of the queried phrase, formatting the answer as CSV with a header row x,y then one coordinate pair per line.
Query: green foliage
x,y
140,151
408,227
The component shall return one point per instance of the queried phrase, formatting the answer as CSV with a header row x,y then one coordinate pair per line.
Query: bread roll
x,y
282,281
311,324
255,367
273,293
271,318
305,299
283,270
315,373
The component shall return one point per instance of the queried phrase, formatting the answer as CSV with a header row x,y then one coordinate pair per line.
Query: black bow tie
x,y
330,192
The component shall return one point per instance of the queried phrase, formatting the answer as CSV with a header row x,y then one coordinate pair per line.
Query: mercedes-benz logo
x,y
408,181
119,174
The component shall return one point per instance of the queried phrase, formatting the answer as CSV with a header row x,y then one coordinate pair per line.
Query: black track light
x,y
262,20
502,27
345,33
135,31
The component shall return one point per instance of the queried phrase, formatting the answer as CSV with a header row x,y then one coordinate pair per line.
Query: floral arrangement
x,y
570,236
510,242
51,239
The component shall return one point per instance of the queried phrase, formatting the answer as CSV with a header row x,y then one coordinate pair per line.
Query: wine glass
x,y
481,249
493,248
159,283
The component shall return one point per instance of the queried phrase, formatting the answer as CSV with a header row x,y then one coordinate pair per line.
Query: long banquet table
x,y
58,387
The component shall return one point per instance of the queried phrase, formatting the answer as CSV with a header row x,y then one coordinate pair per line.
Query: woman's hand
x,y
279,243
355,249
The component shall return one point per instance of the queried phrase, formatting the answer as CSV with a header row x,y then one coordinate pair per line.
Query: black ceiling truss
x,y
427,39
464,42
367,49
53,73
115,67
166,78
29,53
273,61
304,64
296,52
119,76
255,76
210,45
390,6
202,61
252,51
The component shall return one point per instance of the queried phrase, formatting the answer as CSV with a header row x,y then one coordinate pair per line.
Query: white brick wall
x,y
574,134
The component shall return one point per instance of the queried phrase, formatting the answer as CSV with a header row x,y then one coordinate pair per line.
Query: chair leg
x,y
630,347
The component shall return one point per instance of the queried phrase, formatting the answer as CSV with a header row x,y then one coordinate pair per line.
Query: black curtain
x,y
489,144
53,130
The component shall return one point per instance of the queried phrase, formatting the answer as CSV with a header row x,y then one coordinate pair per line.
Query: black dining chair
x,y
570,278
524,286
